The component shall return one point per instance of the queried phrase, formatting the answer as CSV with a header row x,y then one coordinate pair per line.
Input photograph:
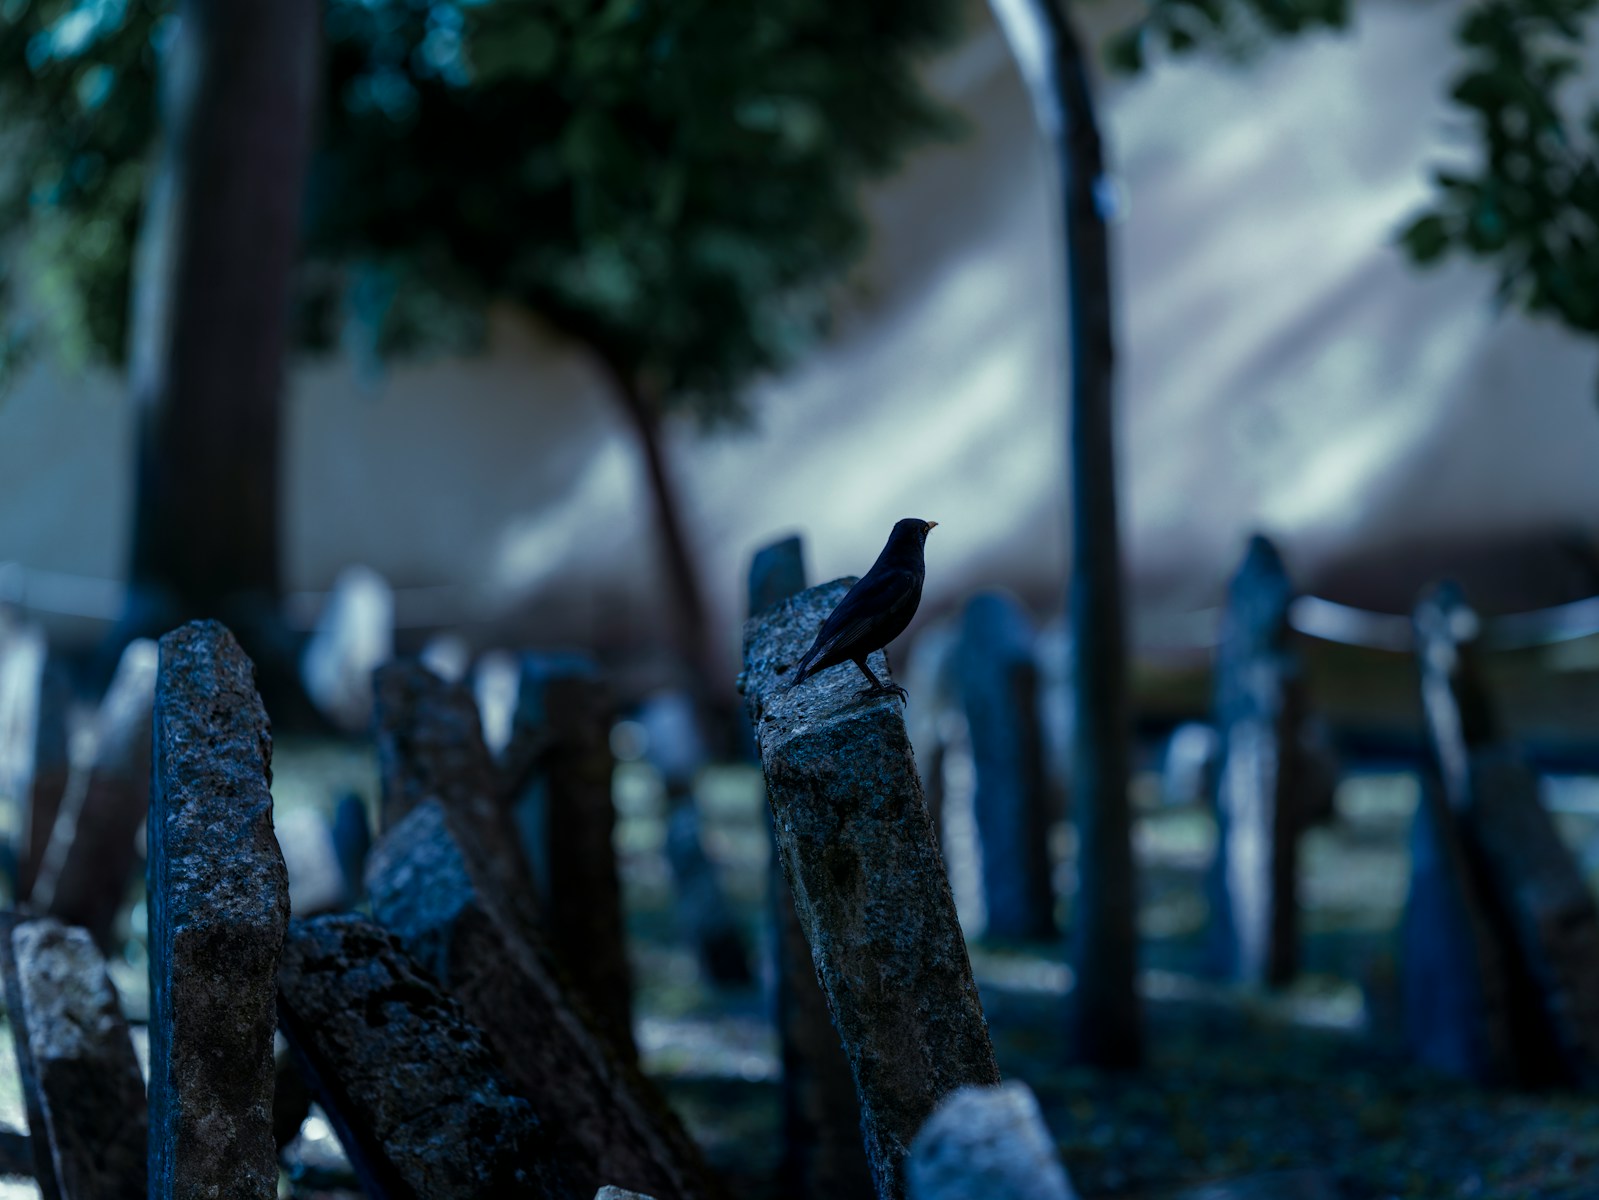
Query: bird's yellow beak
x,y
931,525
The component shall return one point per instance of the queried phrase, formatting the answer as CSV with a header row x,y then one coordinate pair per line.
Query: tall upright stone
x,y
824,1157
1253,880
858,850
429,886
560,765
219,904
999,690
417,1097
94,848
86,1104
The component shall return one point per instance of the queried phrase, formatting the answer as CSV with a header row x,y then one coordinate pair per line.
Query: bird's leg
x,y
879,688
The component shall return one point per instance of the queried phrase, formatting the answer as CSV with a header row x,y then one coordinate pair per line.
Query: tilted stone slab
x,y
858,850
616,1193
414,1091
1552,912
428,887
93,850
987,1143
38,1145
823,1155
219,903
89,1092
430,747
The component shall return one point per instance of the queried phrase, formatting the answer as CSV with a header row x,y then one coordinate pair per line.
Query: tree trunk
x,y
1105,1026
710,678
212,312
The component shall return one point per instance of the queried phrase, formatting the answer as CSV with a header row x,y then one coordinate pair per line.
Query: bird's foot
x,y
885,689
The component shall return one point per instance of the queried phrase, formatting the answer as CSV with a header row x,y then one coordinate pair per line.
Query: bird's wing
x,y
870,602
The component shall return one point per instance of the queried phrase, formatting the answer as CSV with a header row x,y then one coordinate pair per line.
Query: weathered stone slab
x,y
413,1090
89,1092
987,1143
430,747
429,887
43,1168
354,636
858,850
560,754
616,1193
93,850
22,662
1552,912
824,1157
999,691
1260,782
219,903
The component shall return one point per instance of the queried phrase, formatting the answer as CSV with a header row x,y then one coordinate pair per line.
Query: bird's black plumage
x,y
876,610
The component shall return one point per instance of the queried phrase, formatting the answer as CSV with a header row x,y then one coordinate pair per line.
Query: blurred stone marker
x,y
934,715
777,571
1468,1007
616,1193
858,850
354,636
674,747
414,1091
316,880
430,746
1253,881
1188,771
352,841
999,691
22,657
560,765
1454,967
1457,714
494,683
89,1094
1551,911
51,769
987,1143
94,847
429,887
824,1157
43,1168
219,903
447,655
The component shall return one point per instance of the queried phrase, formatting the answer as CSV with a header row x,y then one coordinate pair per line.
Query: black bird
x,y
875,611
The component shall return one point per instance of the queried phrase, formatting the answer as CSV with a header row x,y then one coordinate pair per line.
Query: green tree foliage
x,y
1238,27
674,183
1530,205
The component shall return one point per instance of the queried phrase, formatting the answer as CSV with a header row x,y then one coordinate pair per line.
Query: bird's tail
x,y
803,671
